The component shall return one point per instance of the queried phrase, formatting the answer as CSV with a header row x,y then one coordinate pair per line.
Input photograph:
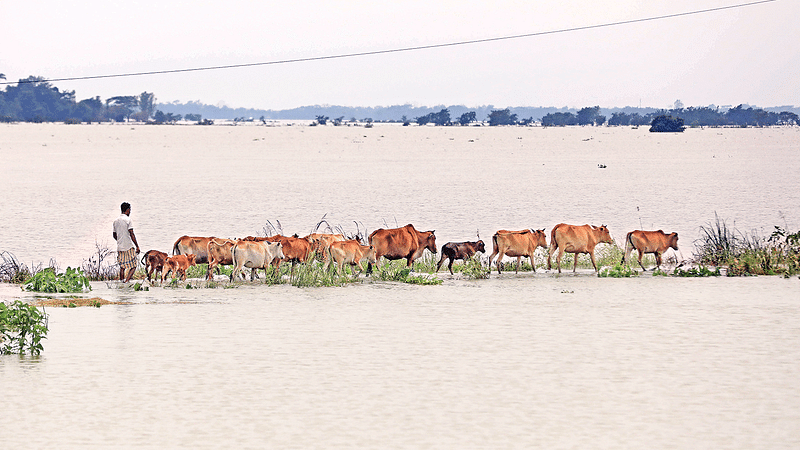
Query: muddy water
x,y
527,361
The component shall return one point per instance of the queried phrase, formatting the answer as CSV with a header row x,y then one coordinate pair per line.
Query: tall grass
x,y
748,254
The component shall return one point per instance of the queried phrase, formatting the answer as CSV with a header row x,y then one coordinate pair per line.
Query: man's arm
x,y
133,238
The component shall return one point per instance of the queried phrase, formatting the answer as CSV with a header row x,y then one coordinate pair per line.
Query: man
x,y
127,247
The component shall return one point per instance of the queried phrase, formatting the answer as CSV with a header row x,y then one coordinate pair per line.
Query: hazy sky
x,y
743,55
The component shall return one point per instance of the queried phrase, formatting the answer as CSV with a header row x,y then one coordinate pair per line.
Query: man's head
x,y
125,207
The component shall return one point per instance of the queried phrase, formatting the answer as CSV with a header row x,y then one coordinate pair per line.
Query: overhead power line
x,y
403,49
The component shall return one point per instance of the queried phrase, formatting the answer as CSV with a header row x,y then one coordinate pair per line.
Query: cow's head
x,y
603,235
430,240
480,247
372,255
673,240
190,257
541,238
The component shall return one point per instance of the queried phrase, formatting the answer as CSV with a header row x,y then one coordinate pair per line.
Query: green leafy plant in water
x,y
618,271
73,280
660,273
701,271
22,328
474,269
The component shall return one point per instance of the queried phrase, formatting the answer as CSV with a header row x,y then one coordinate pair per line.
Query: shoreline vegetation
x,y
34,99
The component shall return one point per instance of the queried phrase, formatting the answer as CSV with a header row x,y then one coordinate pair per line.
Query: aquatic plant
x,y
701,271
398,271
717,243
617,271
314,275
11,270
22,328
473,268
73,280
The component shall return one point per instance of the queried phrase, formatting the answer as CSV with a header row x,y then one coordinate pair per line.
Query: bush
x,y
22,328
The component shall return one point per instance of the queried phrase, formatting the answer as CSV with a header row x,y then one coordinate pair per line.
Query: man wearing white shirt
x,y
127,247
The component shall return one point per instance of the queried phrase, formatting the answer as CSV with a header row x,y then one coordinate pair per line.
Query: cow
x,y
255,255
219,253
576,239
295,249
649,242
397,243
153,261
320,242
459,250
198,246
517,244
178,265
349,252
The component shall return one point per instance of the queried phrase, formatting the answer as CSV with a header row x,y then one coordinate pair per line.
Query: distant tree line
x,y
34,99
693,117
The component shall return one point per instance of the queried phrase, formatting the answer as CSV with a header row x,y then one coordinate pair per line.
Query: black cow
x,y
459,250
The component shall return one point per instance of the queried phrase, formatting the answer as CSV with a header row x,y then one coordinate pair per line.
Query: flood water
x,y
515,361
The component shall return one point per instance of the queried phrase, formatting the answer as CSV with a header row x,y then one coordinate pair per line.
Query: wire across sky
x,y
399,50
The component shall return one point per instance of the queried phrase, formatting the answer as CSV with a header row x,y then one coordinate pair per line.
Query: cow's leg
x,y
658,259
210,271
558,258
641,253
441,261
533,265
519,259
450,265
494,253
499,258
553,247
591,256
575,262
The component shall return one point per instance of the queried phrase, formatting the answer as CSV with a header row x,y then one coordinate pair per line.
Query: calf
x,y
459,250
153,262
649,242
178,265
349,252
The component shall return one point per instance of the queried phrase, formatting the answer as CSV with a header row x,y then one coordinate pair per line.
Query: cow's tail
x,y
175,248
628,245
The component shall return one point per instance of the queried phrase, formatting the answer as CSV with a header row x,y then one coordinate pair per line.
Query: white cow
x,y
255,255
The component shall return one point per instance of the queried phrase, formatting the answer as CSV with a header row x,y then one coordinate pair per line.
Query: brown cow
x,y
320,242
349,252
257,254
397,243
153,262
219,253
517,244
576,239
198,246
178,265
649,242
459,250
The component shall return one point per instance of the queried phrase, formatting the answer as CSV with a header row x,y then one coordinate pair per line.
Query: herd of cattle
x,y
394,243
